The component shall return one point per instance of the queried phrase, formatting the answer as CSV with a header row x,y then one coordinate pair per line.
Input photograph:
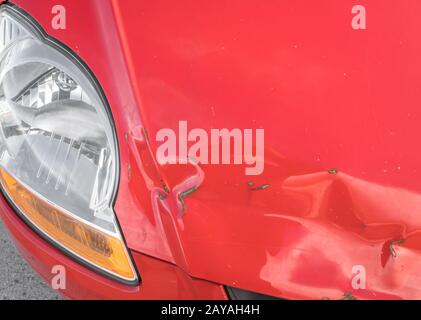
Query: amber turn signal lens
x,y
105,251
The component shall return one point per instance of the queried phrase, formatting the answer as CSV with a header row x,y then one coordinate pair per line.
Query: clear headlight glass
x,y
58,151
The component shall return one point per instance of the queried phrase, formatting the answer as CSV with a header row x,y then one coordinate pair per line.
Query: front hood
x,y
341,187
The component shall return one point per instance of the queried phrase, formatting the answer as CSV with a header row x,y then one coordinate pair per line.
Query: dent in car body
x,y
327,96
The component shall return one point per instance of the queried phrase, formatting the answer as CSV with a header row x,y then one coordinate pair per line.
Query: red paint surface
x,y
160,280
327,96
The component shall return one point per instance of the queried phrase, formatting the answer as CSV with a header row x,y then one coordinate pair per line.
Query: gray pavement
x,y
17,280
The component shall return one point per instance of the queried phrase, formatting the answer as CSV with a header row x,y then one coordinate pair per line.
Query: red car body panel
x,y
327,97
161,280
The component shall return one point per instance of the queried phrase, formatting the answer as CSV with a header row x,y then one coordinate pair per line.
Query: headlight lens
x,y
58,151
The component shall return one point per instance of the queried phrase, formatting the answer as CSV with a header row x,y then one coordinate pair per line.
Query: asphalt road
x,y
17,280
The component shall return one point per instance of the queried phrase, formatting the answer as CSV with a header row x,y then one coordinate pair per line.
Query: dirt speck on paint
x,y
348,296
332,171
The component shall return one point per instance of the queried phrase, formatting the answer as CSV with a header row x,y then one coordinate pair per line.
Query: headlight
x,y
58,150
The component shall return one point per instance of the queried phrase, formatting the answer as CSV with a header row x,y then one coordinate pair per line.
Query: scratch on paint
x,y
162,196
392,250
164,186
145,133
193,160
185,194
262,187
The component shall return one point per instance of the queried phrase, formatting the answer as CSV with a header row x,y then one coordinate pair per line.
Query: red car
x,y
214,149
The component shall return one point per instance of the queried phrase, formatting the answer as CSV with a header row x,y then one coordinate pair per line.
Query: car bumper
x,y
160,280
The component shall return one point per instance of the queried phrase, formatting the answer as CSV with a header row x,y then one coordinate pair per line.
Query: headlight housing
x,y
58,148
